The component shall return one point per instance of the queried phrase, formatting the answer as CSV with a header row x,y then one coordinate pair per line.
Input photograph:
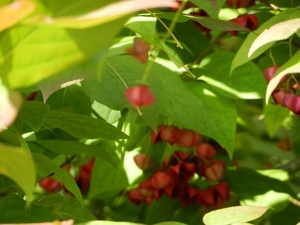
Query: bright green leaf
x,y
291,66
81,126
236,214
13,160
279,31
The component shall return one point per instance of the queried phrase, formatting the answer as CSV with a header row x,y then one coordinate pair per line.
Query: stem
x,y
209,47
272,58
116,72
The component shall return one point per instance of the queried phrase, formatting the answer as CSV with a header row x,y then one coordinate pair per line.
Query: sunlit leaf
x,y
279,31
236,214
10,14
291,66
13,160
105,14
83,126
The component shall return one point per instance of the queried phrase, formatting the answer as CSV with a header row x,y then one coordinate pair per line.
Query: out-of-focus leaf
x,y
291,66
102,222
211,7
279,31
34,113
13,210
12,13
105,14
13,160
83,126
236,214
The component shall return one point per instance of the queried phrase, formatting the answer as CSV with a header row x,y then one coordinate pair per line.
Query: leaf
x,y
105,14
246,82
78,45
211,7
173,99
45,166
102,222
72,147
72,209
12,13
279,31
13,160
214,104
34,113
291,66
106,181
81,126
235,214
241,56
169,223
274,117
66,78
13,210
10,102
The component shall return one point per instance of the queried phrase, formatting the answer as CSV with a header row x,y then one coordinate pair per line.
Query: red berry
x,y
269,72
32,96
214,172
205,150
139,50
168,134
135,196
143,161
160,179
51,185
250,21
139,96
187,138
292,102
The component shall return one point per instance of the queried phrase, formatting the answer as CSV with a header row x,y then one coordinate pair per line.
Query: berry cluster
x,y
286,97
51,185
180,176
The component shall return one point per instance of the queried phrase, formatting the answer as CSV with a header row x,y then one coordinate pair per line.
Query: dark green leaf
x,y
211,7
83,126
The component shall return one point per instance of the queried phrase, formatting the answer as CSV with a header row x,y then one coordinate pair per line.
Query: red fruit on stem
x,y
269,72
214,172
160,179
143,161
135,196
51,185
168,134
187,138
139,96
139,50
249,21
155,137
279,96
292,102
205,150
32,96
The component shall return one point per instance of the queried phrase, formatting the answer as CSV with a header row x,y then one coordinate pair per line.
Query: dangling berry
x,y
139,96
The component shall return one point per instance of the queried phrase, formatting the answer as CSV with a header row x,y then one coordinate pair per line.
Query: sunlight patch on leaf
x,y
12,13
235,214
279,31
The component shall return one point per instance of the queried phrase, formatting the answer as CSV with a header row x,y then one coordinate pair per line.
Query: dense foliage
x,y
152,112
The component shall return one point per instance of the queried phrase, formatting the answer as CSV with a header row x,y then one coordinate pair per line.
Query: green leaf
x,y
291,66
72,147
13,210
241,56
12,13
102,222
290,215
279,31
214,103
78,45
34,113
106,181
274,117
173,99
235,214
105,14
72,209
83,126
45,166
170,223
13,160
51,200
211,7
246,82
